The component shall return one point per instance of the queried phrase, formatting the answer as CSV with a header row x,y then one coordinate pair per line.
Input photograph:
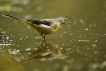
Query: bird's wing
x,y
39,22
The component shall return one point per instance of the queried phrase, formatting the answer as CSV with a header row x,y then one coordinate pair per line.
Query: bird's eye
x,y
65,19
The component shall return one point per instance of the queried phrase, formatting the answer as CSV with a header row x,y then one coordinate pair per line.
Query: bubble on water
x,y
86,29
38,8
105,56
6,7
68,25
36,43
90,25
84,40
81,52
23,2
95,59
36,70
95,52
65,32
92,34
21,38
63,44
39,37
65,68
95,65
96,40
98,65
85,54
33,41
61,35
48,49
51,41
11,34
27,49
94,24
14,52
81,20
88,48
15,9
36,37
74,46
96,34
79,36
69,49
26,36
56,45
67,43
71,34
17,45
104,63
61,48
22,57
99,29
28,27
35,48
94,45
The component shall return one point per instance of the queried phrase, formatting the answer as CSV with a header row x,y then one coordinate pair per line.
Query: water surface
x,y
85,38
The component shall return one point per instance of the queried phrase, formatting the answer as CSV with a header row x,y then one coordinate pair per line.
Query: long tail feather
x,y
11,16
21,19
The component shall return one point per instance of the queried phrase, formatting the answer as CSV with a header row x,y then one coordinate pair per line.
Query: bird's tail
x,y
23,20
11,16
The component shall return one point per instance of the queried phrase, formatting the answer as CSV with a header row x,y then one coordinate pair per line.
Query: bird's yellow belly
x,y
48,30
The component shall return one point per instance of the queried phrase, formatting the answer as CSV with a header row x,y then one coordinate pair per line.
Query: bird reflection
x,y
48,52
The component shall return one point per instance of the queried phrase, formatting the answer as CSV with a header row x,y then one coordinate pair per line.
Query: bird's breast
x,y
56,25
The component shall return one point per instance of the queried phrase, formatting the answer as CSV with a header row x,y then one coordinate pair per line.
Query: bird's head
x,y
63,20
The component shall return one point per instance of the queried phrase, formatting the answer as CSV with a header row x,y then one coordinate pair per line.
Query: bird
x,y
43,26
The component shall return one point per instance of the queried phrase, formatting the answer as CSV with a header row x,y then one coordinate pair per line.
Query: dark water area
x,y
84,39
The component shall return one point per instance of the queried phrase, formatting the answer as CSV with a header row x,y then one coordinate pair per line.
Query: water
x,y
85,38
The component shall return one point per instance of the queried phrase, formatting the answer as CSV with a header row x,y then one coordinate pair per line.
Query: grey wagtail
x,y
44,26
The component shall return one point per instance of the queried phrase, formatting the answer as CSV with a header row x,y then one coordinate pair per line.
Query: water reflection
x,y
48,51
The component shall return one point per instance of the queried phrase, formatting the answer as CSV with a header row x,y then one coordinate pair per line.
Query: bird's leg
x,y
43,36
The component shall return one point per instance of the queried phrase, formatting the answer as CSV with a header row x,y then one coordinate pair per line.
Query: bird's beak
x,y
68,22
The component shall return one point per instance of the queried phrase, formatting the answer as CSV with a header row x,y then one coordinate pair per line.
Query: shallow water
x,y
85,38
